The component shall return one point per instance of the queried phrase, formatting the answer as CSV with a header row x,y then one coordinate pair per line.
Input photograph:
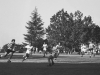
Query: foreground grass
x,y
64,65
43,69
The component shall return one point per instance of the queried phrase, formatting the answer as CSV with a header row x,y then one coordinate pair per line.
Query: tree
x,y
72,29
95,33
35,28
60,27
88,29
4,48
76,28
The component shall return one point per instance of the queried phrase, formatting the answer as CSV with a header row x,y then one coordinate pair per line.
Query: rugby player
x,y
28,52
10,49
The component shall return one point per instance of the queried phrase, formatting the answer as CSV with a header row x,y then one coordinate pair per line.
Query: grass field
x,y
64,65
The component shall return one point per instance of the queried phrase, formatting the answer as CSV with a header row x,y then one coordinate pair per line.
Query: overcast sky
x,y
15,13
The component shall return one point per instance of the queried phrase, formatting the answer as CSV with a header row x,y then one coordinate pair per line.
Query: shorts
x,y
50,57
91,49
9,50
44,51
56,55
27,55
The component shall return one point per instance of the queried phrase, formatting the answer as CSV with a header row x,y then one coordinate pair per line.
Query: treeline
x,y
72,29
69,29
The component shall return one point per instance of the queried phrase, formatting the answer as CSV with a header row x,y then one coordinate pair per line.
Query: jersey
x,y
91,45
83,48
44,47
58,47
11,46
99,47
54,48
29,49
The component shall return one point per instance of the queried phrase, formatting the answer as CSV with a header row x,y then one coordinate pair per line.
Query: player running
x,y
58,48
53,56
83,49
28,52
10,49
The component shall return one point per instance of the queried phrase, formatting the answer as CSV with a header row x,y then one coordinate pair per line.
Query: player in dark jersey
x,y
50,60
10,49
53,55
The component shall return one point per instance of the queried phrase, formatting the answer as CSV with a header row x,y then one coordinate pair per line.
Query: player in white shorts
x,y
83,49
28,52
91,48
45,49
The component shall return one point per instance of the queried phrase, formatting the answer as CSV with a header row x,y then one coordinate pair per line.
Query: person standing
x,y
45,49
10,49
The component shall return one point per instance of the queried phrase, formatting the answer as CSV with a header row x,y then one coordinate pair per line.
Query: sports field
x,y
64,65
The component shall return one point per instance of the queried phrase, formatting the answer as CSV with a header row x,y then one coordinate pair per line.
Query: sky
x,y
14,14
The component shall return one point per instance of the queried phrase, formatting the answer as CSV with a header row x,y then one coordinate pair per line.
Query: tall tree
x,y
34,29
60,27
88,27
76,28
72,29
